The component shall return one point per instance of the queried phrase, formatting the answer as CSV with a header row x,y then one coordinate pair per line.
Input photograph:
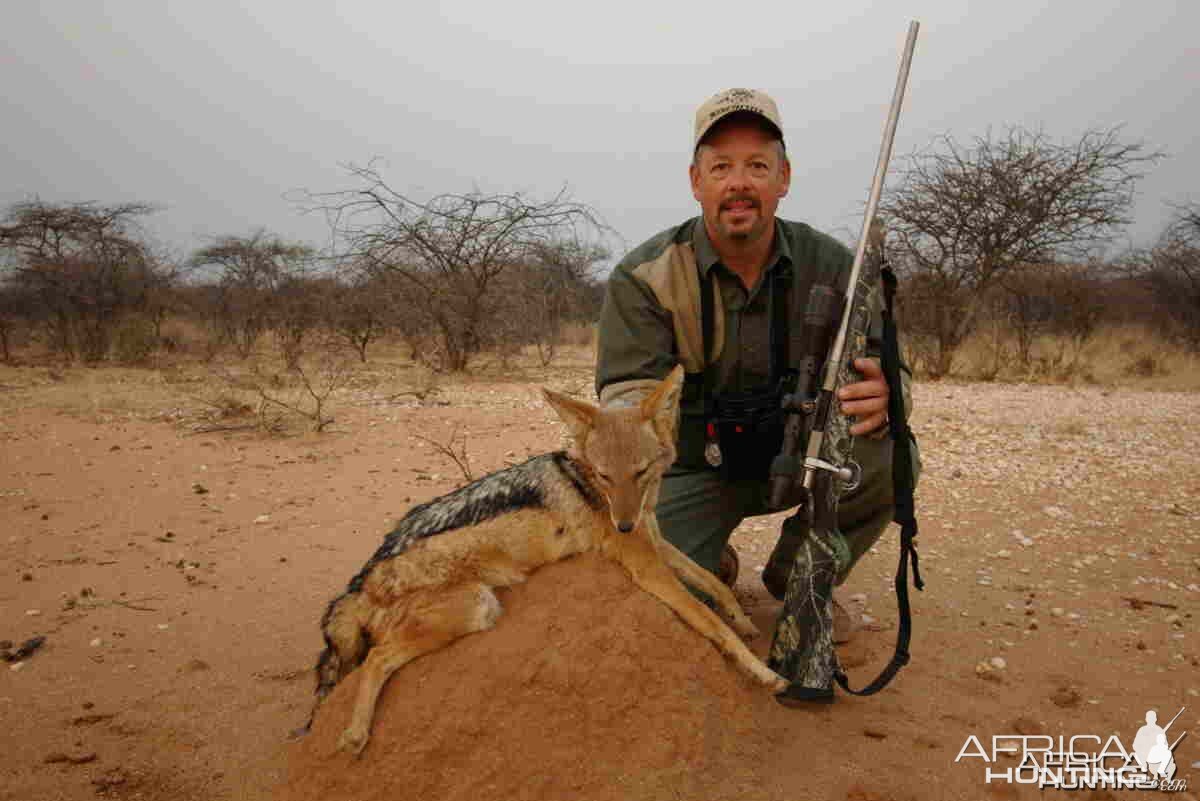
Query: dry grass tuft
x,y
1119,356
257,395
223,393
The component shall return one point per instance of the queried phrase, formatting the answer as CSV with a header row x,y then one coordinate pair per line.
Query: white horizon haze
x,y
217,112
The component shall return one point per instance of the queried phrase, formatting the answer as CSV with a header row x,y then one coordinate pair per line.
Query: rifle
x,y
802,650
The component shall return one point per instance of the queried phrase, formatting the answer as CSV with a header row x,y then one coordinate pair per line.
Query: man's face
x,y
739,176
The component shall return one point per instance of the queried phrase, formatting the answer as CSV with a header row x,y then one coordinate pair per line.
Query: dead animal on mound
x,y
432,580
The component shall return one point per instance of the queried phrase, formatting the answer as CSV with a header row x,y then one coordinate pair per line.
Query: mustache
x,y
727,202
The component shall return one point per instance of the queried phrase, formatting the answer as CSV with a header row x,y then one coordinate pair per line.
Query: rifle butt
x,y
802,650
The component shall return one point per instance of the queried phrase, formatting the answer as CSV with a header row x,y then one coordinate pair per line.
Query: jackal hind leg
x,y
434,620
653,576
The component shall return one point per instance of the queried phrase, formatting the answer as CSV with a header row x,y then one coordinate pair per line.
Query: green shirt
x,y
651,316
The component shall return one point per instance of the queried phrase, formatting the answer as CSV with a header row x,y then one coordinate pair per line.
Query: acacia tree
x,y
1084,296
1029,305
1065,299
256,275
446,252
82,267
962,216
361,308
1172,269
13,307
556,287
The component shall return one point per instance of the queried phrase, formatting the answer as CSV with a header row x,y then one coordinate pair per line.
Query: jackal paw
x,y
353,741
772,680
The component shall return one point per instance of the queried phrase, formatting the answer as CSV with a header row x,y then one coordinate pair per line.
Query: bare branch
x,y
80,270
963,216
447,252
455,448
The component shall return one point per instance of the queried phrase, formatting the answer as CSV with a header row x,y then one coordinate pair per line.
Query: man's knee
x,y
862,537
863,515
697,513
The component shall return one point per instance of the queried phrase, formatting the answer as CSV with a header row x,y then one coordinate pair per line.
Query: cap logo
x,y
723,110
730,101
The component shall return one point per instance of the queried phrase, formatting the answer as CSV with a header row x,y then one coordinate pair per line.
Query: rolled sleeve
x,y
636,339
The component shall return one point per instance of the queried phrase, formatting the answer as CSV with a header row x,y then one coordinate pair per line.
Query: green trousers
x,y
698,511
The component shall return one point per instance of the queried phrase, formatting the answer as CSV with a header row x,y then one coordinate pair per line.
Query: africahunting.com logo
x,y
1081,761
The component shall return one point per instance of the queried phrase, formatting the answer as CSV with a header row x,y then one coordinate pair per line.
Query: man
x,y
652,319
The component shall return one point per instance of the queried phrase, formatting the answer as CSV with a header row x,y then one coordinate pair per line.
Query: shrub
x,y
135,341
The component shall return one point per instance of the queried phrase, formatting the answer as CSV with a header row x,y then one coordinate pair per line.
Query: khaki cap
x,y
730,101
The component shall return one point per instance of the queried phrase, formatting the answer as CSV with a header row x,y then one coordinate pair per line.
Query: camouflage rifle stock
x,y
802,650
803,647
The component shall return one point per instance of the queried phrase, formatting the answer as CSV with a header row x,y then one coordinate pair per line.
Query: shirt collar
x,y
706,254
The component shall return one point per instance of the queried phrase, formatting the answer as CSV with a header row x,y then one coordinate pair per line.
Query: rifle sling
x,y
902,483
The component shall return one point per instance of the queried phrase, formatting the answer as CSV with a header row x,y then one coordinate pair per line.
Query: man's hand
x,y
866,400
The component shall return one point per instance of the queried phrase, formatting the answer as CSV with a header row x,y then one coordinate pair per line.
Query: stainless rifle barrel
x,y
881,167
833,364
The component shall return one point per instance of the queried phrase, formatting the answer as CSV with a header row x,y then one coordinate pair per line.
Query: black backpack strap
x,y
902,483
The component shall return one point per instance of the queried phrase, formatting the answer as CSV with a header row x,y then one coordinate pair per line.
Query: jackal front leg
x,y
695,576
649,572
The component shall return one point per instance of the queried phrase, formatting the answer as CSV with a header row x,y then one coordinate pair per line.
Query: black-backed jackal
x,y
432,580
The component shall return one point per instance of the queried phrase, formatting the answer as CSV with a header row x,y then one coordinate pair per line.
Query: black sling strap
x,y
902,483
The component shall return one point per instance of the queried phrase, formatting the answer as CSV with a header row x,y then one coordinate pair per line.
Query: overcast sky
x,y
216,110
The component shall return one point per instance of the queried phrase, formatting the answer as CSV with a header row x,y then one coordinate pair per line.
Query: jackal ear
x,y
663,403
579,416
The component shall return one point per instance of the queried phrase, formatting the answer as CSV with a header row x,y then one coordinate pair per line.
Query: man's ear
x,y
786,167
694,176
662,405
579,416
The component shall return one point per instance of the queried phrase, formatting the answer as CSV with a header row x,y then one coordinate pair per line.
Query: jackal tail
x,y
346,646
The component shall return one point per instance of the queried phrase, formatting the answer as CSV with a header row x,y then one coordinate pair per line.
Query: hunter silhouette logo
x,y
1151,750
1083,761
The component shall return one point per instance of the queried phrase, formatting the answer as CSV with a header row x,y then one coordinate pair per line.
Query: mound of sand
x,y
590,688
587,688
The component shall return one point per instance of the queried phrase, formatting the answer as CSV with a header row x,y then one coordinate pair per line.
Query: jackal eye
x,y
641,473
603,477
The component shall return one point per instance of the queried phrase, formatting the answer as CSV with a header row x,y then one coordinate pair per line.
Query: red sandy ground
x,y
181,632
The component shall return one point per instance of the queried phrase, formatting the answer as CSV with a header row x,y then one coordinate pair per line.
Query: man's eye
x,y
720,169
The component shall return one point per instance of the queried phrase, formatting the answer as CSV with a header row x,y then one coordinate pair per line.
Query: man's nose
x,y
739,177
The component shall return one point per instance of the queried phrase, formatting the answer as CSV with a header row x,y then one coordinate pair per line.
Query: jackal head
x,y
627,448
